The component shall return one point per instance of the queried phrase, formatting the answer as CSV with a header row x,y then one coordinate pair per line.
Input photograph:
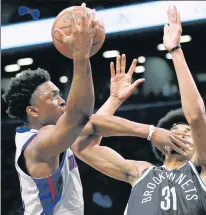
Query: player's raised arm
x,y
192,102
104,159
53,140
88,149
104,124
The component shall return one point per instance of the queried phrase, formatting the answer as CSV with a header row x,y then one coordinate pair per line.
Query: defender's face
x,y
50,105
183,131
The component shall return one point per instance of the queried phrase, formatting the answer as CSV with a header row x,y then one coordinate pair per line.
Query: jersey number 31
x,y
168,194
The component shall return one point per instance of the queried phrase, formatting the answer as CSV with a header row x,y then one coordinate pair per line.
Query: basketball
x,y
62,22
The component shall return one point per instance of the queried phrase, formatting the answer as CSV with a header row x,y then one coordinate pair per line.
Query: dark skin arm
x,y
52,140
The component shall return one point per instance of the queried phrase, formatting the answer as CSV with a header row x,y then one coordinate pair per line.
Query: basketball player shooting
x,y
178,187
49,179
48,173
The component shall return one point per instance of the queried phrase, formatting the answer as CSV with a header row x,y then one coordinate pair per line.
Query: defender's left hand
x,y
121,83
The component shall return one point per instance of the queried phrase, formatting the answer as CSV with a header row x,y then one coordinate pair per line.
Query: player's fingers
x,y
177,149
181,144
169,15
184,139
123,63
138,82
178,18
73,21
63,37
95,27
83,15
133,86
92,19
178,133
166,29
132,67
118,69
112,70
174,14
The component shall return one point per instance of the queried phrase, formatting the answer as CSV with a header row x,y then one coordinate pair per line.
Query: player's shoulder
x,y
47,128
144,163
44,135
145,166
32,150
141,165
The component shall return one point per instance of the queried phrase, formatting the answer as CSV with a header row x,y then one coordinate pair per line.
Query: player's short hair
x,y
20,91
167,122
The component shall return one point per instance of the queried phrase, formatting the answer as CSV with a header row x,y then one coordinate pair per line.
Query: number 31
x,y
166,193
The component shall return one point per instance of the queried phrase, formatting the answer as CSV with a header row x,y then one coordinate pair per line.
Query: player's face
x,y
185,132
50,105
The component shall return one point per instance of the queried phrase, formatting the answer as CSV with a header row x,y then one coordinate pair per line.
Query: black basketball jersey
x,y
163,192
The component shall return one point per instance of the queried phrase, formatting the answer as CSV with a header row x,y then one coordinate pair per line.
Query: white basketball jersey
x,y
57,194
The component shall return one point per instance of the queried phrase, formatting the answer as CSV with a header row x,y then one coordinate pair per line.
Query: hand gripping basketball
x,y
81,26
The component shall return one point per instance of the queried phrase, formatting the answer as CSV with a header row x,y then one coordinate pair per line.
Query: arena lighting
x,y
184,39
12,68
141,59
139,69
25,61
201,77
110,54
63,79
168,56
161,47
117,19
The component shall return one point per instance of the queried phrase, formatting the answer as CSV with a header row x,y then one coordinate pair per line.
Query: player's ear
x,y
32,111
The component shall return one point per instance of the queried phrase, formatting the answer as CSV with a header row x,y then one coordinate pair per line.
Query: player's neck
x,y
33,125
173,163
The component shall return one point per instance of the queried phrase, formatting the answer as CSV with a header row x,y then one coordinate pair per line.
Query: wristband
x,y
175,48
151,131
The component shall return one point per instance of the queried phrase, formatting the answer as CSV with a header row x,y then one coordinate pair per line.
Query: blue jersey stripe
x,y
28,141
22,129
48,201
45,193
50,210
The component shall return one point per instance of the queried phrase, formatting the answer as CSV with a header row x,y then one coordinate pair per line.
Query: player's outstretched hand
x,y
121,82
173,31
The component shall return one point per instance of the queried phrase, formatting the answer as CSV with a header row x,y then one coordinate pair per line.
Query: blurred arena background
x,y
138,35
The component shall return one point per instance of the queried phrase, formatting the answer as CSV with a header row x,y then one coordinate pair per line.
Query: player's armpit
x,y
198,128
141,166
106,160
